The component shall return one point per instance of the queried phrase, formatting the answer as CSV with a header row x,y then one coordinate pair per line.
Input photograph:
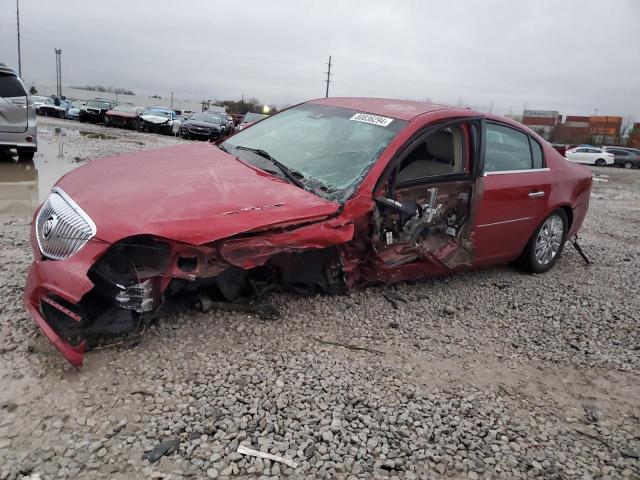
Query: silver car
x,y
17,116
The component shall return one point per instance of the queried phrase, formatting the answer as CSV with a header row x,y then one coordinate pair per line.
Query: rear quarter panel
x,y
571,187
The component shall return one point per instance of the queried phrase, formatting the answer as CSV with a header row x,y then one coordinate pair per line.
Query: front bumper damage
x,y
105,290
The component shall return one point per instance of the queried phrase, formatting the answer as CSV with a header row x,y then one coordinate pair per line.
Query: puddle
x,y
25,185
100,135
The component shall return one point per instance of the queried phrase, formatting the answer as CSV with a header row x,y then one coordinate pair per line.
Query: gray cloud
x,y
574,55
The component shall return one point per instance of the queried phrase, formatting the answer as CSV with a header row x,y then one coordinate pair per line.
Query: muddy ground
x,y
489,374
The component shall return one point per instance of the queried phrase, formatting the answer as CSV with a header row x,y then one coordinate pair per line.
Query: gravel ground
x,y
490,374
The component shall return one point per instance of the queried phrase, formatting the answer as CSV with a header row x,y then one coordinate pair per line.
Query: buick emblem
x,y
49,225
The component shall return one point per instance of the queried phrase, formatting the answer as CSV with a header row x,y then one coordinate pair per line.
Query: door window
x,y
506,149
536,153
441,153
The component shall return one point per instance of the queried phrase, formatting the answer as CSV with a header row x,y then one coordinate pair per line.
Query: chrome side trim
x,y
77,208
504,172
505,221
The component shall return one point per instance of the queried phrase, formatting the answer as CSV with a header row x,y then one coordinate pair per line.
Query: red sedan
x,y
324,196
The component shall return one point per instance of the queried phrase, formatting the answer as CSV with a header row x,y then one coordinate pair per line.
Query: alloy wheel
x,y
549,239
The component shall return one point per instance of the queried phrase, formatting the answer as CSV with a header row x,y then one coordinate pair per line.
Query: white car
x,y
590,156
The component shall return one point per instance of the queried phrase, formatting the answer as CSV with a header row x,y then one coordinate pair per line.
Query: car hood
x,y
189,193
154,119
195,123
116,113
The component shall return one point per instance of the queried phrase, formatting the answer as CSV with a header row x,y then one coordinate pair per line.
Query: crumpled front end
x,y
82,290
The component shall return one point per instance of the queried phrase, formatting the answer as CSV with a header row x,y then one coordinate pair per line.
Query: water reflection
x,y
24,185
18,187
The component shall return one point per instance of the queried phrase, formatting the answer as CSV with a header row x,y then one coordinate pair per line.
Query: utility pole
x,y
328,80
171,100
58,72
19,55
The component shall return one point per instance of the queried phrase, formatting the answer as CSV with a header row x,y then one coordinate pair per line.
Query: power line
x,y
328,80
19,55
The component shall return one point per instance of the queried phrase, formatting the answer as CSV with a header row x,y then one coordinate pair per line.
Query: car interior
x,y
426,210
439,154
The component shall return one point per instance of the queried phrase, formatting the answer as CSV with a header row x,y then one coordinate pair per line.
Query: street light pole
x,y
19,55
58,72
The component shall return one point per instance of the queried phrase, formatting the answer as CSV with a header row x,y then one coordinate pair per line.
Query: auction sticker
x,y
372,119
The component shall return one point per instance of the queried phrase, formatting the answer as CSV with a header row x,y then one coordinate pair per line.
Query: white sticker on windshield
x,y
372,119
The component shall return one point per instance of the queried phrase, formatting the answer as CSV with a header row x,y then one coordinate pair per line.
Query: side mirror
x,y
406,208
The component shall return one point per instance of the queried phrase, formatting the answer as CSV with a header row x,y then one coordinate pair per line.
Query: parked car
x,y
36,101
203,126
249,119
590,156
159,120
95,110
624,157
52,107
17,116
124,116
73,112
227,122
320,197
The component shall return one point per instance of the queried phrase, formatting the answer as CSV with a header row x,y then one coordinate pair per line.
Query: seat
x,y
440,154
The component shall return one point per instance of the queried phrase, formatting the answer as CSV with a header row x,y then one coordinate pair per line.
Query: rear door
x,y
515,187
13,104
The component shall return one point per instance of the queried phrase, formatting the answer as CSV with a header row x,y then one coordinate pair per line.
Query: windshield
x,y
204,117
253,117
125,108
158,113
97,104
331,148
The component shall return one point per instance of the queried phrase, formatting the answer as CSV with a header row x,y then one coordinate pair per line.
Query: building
x,y
541,121
634,136
575,129
605,129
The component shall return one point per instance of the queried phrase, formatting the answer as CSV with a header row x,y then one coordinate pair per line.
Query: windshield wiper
x,y
287,172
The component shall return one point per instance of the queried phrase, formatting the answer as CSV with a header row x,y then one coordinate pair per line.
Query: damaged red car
x,y
322,197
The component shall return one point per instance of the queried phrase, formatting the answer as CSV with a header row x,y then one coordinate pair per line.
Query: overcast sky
x,y
570,55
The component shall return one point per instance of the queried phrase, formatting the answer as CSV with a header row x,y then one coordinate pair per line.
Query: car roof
x,y
7,71
400,109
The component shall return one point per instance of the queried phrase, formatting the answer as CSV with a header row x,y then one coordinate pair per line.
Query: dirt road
x,y
490,374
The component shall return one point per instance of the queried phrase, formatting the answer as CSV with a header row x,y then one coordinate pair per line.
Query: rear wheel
x,y
545,245
628,164
600,162
61,114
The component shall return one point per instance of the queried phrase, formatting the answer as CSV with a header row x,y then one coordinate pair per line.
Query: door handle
x,y
536,194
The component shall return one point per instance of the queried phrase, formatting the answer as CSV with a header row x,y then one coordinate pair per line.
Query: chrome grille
x,y
62,227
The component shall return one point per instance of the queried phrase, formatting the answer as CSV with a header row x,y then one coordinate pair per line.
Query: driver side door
x,y
421,222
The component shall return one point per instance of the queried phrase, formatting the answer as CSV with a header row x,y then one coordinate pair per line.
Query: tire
x,y
600,162
545,245
106,122
26,154
135,125
627,164
61,114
